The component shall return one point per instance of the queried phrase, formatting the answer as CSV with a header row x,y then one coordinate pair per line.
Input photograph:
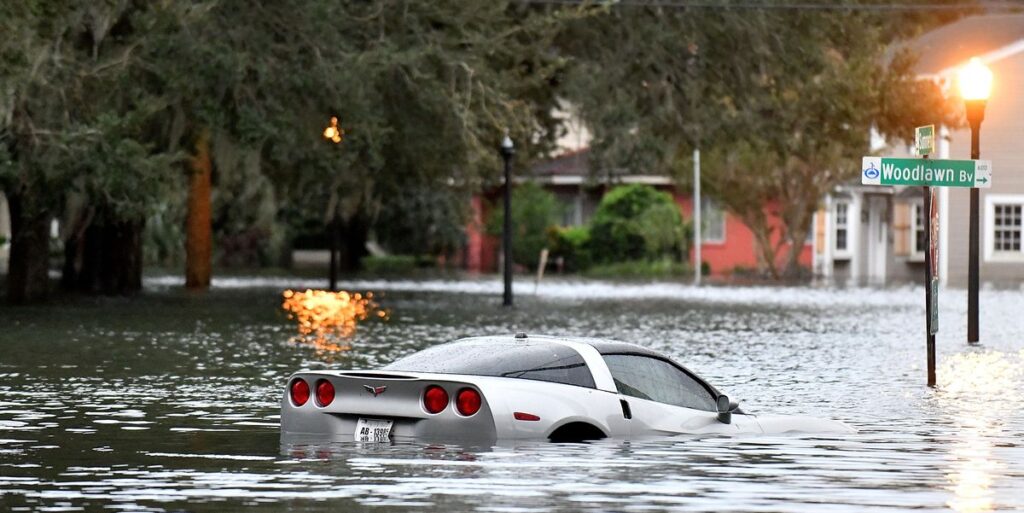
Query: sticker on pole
x,y
932,173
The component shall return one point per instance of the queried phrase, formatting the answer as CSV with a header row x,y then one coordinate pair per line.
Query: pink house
x,y
727,245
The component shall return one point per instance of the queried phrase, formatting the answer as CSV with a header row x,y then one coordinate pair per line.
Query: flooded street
x,y
169,402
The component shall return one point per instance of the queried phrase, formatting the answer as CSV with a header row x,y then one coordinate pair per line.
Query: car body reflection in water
x,y
327,319
978,389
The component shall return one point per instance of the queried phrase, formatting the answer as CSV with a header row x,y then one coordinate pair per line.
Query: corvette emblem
x,y
375,390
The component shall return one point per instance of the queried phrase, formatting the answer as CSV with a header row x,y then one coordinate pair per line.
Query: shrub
x,y
636,222
534,210
571,243
641,269
390,264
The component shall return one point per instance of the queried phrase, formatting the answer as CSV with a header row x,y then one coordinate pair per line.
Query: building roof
x,y
574,163
990,36
573,168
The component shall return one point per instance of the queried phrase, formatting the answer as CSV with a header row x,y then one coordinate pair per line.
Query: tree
x,y
77,143
105,104
781,100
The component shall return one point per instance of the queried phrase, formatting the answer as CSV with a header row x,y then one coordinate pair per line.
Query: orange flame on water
x,y
324,317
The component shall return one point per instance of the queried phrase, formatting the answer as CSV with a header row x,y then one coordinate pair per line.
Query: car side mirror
x,y
724,409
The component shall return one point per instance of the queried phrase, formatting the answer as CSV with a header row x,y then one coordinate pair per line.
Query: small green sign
x,y
934,173
924,140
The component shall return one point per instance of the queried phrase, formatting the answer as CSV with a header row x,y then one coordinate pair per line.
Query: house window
x,y
842,226
1006,228
712,221
919,238
1004,217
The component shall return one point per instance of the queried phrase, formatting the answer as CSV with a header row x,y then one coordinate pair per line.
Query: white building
x,y
875,235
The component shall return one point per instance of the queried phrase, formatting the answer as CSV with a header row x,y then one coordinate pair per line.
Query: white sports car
x,y
485,389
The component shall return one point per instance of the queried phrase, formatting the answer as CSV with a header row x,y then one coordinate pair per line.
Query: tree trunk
x,y
354,234
797,239
106,259
28,277
766,251
198,224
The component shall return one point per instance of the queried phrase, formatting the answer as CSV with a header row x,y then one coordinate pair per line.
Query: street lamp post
x,y
334,134
507,150
975,87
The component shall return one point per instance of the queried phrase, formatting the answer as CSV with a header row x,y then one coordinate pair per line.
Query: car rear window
x,y
540,361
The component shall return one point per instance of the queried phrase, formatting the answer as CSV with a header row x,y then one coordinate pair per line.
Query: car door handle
x,y
626,412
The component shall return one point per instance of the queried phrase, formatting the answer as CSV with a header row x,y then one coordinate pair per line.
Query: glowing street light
x,y
975,81
975,87
334,132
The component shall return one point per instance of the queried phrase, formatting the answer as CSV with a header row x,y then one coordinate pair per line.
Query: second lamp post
x,y
507,150
975,87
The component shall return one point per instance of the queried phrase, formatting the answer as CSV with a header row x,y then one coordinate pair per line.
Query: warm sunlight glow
x,y
975,80
325,317
334,132
977,389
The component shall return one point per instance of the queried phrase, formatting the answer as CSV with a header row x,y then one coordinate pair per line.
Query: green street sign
x,y
934,173
924,140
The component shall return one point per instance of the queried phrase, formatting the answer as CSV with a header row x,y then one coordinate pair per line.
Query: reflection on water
x,y
170,402
324,317
978,389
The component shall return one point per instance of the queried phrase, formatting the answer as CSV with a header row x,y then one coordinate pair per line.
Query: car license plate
x,y
373,430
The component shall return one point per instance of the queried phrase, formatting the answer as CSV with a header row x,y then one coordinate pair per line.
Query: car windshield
x,y
536,360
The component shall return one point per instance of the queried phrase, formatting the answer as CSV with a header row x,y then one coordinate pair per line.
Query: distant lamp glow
x,y
334,132
975,80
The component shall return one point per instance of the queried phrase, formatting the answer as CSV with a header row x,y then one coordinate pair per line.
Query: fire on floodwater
x,y
325,319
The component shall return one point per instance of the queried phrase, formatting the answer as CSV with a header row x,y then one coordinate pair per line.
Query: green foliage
x,y
390,264
572,244
641,269
795,91
534,211
635,222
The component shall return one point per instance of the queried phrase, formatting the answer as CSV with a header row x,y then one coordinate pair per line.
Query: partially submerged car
x,y
522,387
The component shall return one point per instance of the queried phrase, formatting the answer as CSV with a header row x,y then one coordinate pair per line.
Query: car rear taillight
x,y
467,401
299,391
435,399
324,392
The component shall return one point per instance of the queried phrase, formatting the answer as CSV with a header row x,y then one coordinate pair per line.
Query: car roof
x,y
603,346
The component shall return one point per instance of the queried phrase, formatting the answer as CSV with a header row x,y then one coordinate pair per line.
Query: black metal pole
x,y
975,115
332,234
506,232
930,337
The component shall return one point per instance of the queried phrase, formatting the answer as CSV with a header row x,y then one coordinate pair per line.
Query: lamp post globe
x,y
975,87
507,149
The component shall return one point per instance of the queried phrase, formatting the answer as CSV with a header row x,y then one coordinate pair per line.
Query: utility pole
x,y
696,218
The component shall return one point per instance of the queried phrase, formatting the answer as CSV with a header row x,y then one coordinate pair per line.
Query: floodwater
x,y
169,402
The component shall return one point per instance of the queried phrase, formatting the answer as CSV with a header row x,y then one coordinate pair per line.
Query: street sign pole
x,y
931,289
929,174
924,143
